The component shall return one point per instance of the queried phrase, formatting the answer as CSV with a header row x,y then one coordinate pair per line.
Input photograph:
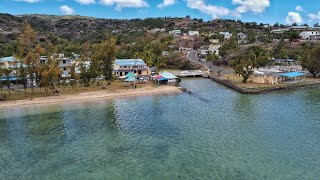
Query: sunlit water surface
x,y
212,133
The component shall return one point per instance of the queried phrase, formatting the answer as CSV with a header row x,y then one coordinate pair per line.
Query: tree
x,y
252,58
104,53
23,77
27,50
50,75
7,73
310,60
74,76
147,55
212,57
1,75
85,74
229,46
294,24
252,36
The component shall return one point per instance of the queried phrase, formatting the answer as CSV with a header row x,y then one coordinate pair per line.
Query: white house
x,y
194,33
122,67
214,49
65,65
175,32
165,53
299,28
310,35
155,30
226,35
242,38
279,31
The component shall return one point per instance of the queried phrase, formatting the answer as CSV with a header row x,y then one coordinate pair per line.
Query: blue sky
x,y
265,11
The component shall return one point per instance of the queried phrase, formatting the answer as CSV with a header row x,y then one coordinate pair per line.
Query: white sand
x,y
86,96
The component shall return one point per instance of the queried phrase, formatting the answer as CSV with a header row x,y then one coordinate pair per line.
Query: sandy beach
x,y
88,96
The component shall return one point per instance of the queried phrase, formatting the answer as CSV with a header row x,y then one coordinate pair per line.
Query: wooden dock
x,y
189,73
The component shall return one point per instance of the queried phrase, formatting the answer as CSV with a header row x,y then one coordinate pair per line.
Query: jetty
x,y
189,73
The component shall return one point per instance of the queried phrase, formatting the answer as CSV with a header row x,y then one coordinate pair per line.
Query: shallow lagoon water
x,y
212,133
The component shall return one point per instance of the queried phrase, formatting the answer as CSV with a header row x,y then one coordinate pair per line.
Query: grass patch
x,y
116,85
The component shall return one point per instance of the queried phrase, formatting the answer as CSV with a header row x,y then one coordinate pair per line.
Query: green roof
x,y
130,79
131,75
168,75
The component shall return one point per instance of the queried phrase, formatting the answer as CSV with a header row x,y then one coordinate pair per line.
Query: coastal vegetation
x,y
100,41
245,63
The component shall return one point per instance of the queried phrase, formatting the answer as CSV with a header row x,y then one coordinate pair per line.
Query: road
x,y
193,56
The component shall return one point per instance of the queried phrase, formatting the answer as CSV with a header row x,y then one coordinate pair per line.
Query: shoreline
x,y
242,90
89,96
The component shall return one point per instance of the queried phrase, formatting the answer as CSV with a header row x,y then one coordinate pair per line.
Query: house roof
x,y
168,75
129,62
130,75
160,78
8,59
293,74
130,79
11,78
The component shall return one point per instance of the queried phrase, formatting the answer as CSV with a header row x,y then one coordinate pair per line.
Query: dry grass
x,y
237,80
67,89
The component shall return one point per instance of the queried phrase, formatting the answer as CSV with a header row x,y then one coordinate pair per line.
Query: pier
x,y
189,73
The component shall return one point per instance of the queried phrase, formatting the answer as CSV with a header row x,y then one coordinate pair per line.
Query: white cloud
x,y
166,3
85,2
119,4
66,10
314,17
256,6
212,10
29,1
294,17
299,8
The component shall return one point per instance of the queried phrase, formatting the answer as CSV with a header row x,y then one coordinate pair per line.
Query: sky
x,y
261,11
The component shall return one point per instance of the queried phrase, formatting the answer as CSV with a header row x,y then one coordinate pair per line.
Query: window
x,y
64,68
64,62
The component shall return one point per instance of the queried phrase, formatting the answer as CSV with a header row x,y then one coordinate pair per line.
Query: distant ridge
x,y
56,17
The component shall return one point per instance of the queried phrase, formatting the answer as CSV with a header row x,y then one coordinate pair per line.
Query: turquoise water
x,y
212,133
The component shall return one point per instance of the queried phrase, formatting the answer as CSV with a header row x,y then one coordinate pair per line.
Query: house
x,y
65,65
122,67
10,62
266,78
276,76
214,49
185,49
310,35
13,64
165,53
279,31
194,33
214,41
226,35
44,60
242,38
155,30
284,62
299,28
266,26
175,32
